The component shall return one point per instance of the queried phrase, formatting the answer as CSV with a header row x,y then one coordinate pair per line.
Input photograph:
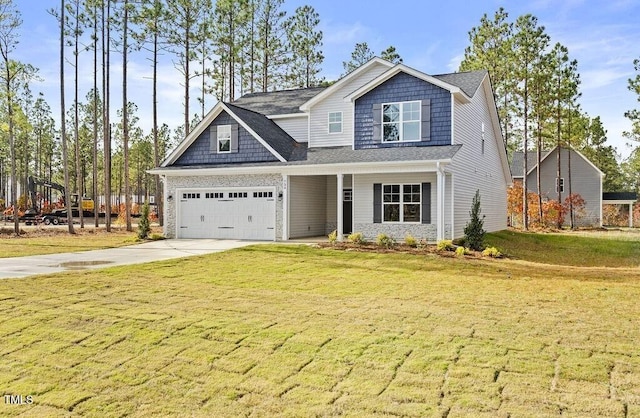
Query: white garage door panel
x,y
227,214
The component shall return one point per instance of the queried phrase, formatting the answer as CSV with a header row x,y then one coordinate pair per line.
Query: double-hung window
x,y
335,122
224,139
401,202
560,184
401,121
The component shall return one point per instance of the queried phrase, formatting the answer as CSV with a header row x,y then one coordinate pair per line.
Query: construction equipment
x,y
34,215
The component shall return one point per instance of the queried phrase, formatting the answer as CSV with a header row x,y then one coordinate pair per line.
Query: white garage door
x,y
247,213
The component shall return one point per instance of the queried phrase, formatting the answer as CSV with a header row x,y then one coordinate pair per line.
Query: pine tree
x,y
473,231
305,41
361,55
391,54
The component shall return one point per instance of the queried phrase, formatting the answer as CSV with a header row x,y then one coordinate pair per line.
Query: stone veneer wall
x,y
202,182
427,232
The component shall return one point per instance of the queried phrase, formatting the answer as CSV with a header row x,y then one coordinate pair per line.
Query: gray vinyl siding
x,y
403,88
307,206
473,170
363,206
585,181
249,148
296,127
319,133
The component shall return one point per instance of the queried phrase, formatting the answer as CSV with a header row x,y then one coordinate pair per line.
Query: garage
x,y
236,213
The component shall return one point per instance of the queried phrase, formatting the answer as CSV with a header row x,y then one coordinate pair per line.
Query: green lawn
x,y
54,240
586,249
280,330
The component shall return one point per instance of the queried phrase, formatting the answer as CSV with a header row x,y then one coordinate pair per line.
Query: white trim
x,y
310,170
220,128
329,122
401,203
453,217
340,208
570,149
288,116
398,68
338,84
285,207
401,121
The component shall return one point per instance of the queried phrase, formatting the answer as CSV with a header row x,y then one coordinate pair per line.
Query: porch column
x,y
165,205
285,207
340,227
439,203
631,215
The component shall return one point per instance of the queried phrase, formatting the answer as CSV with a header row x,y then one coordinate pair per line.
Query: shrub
x,y
491,252
383,240
143,223
473,231
156,237
356,238
333,237
460,251
445,245
410,241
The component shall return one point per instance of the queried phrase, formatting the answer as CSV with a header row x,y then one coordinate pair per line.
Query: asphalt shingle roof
x,y
468,81
517,161
281,102
268,130
340,155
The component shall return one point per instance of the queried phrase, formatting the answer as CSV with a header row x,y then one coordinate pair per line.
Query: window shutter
x,y
213,139
377,122
426,203
425,117
234,138
377,203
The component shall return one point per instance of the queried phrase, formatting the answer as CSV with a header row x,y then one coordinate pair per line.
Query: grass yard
x,y
280,330
581,248
54,240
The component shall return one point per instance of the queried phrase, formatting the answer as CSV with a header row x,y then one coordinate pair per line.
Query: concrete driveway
x,y
17,267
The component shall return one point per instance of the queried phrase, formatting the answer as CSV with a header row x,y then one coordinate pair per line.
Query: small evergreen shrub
x,y
143,223
473,231
410,241
333,237
492,252
445,245
383,240
356,238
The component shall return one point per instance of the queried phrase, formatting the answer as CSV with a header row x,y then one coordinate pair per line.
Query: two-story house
x,y
385,149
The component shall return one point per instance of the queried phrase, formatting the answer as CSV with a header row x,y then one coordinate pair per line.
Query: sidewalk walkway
x,y
18,267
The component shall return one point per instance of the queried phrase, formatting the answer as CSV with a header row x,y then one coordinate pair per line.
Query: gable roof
x,y
282,102
271,136
518,161
470,81
263,127
344,80
467,81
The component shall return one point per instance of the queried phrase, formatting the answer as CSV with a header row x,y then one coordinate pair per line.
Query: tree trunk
x,y
76,130
64,125
106,121
156,144
96,204
125,120
525,199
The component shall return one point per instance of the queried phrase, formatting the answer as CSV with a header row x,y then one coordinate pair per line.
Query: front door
x,y
347,211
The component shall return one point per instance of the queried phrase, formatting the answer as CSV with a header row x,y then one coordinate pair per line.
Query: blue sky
x,y
604,36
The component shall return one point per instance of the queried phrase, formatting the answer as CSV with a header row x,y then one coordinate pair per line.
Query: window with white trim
x,y
401,121
224,139
401,202
560,184
335,122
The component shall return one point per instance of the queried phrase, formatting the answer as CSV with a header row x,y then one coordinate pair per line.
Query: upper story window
x,y
560,184
335,122
401,121
224,139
